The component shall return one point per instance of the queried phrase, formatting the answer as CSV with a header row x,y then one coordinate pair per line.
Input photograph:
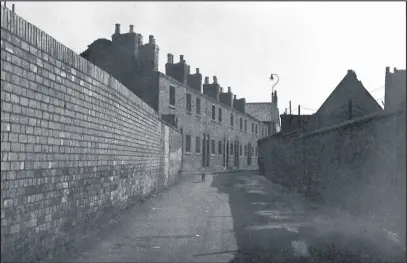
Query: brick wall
x,y
358,166
76,144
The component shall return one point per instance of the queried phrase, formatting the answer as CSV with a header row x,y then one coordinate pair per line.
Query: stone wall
x,y
76,145
358,166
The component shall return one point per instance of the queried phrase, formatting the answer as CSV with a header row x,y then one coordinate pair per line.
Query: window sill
x,y
171,106
187,153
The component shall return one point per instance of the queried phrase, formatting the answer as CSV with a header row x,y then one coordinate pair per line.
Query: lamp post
x,y
272,124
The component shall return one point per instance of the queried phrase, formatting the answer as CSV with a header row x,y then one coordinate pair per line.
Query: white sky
x,y
310,45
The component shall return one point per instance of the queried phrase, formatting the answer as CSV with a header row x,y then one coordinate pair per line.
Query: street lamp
x,y
272,76
272,124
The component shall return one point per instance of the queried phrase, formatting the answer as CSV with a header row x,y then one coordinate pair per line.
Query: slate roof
x,y
259,110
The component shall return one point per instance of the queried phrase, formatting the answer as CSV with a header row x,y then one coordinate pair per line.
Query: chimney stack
x,y
229,89
117,30
197,71
131,29
170,58
206,80
181,58
215,79
151,39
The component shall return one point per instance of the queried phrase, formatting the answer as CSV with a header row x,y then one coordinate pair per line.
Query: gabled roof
x,y
259,110
350,88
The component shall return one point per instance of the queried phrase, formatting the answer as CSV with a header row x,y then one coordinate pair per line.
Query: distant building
x,y
291,123
218,133
349,100
395,90
267,112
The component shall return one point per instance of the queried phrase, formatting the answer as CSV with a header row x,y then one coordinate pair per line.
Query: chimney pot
x,y
117,30
197,70
13,8
387,69
131,29
206,80
151,39
181,58
170,58
221,89
234,97
394,70
215,79
229,89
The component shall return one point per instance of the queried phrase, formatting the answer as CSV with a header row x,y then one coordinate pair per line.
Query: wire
x,y
376,89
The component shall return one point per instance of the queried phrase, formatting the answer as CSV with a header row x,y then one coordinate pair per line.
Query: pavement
x,y
234,217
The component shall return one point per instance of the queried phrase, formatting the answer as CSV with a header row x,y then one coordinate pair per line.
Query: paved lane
x,y
233,218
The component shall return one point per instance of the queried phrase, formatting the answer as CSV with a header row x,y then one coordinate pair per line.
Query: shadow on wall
x,y
269,239
358,167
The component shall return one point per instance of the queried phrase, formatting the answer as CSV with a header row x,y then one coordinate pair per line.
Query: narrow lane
x,y
237,217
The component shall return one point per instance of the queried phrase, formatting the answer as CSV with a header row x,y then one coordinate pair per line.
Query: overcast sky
x,y
310,45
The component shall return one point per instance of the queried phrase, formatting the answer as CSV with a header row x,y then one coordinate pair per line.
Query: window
x,y
256,152
262,132
220,147
188,143
213,112
172,95
220,115
240,150
231,148
245,150
231,119
198,106
188,103
256,129
245,125
198,145
241,124
213,146
252,127
252,150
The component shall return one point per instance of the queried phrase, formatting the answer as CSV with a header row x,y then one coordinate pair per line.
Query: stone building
x,y
218,133
395,90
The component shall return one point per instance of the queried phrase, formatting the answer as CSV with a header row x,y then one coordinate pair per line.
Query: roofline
x,y
160,74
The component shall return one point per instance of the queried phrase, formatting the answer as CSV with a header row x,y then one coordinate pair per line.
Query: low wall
x,y
357,166
76,145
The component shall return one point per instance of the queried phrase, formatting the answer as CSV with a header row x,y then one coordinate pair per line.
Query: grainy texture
x,y
75,144
358,167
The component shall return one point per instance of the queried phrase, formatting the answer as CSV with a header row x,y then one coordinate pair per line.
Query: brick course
x,y
75,143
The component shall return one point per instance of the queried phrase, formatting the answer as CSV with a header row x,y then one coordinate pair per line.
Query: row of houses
x,y
219,130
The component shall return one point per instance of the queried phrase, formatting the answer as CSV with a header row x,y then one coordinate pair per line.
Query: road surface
x,y
238,217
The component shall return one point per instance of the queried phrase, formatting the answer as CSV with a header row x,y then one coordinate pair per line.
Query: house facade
x,y
217,132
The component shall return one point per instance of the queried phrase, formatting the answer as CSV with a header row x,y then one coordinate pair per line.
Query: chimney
x,y
387,69
394,70
170,58
117,30
221,89
151,39
234,97
229,89
206,80
13,8
131,29
197,71
215,80
181,58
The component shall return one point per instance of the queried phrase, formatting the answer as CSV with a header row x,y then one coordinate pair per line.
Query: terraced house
x,y
217,132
